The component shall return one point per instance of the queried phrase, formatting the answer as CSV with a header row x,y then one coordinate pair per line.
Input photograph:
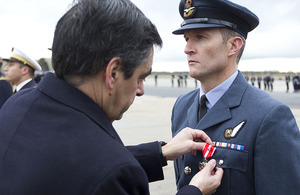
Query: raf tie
x,y
202,108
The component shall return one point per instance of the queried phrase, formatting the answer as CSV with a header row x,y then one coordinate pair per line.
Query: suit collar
x,y
221,110
25,84
72,97
30,84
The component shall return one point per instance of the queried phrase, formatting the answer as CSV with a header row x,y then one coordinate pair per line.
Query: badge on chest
x,y
232,133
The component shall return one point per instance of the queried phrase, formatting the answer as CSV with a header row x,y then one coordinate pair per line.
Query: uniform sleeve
x,y
277,154
189,190
127,179
149,157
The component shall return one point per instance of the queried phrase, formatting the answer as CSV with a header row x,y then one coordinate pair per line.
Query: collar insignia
x,y
189,10
232,133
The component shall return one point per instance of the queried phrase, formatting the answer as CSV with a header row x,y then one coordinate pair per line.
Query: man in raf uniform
x,y
256,137
20,70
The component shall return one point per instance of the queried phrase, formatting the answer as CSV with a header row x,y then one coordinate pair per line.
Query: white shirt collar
x,y
19,87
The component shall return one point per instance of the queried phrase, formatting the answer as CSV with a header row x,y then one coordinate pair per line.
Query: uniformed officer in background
x,y
20,70
256,137
287,82
253,80
259,79
5,87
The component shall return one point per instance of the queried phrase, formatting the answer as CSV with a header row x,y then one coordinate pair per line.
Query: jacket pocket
x,y
232,159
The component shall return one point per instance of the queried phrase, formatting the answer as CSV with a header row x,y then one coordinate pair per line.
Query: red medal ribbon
x,y
208,151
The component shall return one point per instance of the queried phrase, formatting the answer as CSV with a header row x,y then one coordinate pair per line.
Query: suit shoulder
x,y
261,98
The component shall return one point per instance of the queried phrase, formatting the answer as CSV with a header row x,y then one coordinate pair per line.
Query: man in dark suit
x,y
20,70
58,138
256,137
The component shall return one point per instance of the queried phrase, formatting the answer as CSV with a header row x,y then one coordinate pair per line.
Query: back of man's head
x,y
93,32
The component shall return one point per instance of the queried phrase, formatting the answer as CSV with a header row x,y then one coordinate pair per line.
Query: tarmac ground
x,y
149,119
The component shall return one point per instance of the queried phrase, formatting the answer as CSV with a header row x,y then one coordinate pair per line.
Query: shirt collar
x,y
19,87
215,94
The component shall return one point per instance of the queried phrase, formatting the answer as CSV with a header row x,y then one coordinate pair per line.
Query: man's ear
x,y
113,72
25,70
235,44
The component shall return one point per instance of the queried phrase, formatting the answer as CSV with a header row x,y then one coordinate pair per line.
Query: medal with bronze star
x,y
208,151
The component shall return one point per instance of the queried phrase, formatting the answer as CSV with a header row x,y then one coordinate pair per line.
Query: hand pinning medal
x,y
207,152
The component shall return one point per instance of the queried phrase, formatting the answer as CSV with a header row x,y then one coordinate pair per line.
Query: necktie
x,y
202,108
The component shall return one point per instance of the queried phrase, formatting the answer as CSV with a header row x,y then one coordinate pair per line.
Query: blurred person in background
x,y
5,87
20,69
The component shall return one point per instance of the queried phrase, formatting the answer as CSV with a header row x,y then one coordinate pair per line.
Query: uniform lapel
x,y
218,113
221,111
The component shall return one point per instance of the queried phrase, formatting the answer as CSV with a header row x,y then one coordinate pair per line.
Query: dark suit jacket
x,y
5,91
269,163
55,140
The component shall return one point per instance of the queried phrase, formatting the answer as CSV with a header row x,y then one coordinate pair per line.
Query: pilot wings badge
x,y
232,133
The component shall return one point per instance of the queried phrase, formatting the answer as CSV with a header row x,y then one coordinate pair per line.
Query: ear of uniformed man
x,y
208,179
184,142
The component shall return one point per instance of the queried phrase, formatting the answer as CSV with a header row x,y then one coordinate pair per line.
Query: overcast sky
x,y
29,25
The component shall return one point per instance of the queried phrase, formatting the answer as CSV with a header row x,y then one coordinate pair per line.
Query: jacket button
x,y
187,170
221,162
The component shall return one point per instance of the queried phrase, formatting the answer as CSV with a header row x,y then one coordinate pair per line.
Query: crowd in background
x,y
263,81
268,81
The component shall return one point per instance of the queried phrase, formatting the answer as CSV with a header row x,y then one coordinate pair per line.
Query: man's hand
x,y
208,179
185,141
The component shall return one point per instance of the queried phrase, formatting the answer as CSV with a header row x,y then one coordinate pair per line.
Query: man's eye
x,y
200,36
141,80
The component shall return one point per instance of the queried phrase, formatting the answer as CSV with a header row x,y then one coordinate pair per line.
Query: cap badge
x,y
232,133
189,10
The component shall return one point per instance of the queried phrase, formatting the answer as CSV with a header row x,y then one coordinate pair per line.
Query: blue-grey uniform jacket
x,y
257,141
